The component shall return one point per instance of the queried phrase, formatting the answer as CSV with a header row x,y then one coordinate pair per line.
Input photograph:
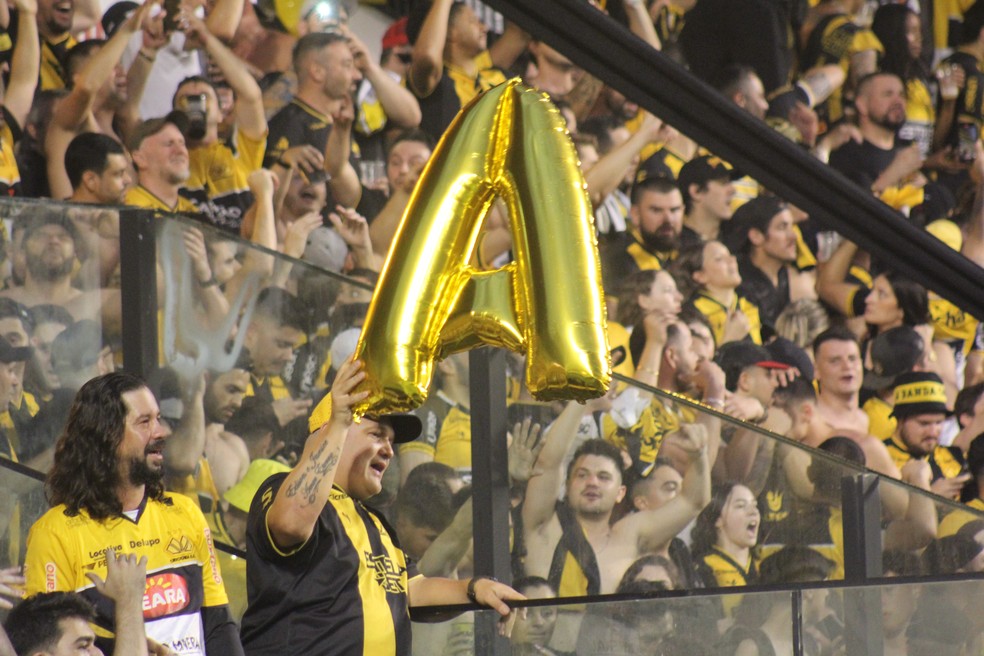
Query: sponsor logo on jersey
x,y
212,560
166,594
50,577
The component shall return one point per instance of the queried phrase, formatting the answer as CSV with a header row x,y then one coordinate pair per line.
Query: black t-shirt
x,y
296,124
341,593
862,162
454,90
758,288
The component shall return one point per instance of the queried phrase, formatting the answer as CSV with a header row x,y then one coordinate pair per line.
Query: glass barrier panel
x,y
904,616
22,502
702,501
247,339
675,625
233,566
933,617
61,303
924,534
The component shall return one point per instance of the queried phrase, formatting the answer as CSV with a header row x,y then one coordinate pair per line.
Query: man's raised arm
x,y
299,501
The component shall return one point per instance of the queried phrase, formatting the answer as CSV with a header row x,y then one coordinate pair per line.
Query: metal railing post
x,y
138,290
490,483
862,561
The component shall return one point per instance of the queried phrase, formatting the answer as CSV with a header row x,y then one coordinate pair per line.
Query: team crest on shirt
x,y
774,500
388,575
179,545
166,594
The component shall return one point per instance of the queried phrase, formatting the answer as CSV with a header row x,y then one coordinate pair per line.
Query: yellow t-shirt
x,y
140,197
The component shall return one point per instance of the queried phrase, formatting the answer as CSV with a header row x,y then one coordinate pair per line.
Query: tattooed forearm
x,y
309,480
295,486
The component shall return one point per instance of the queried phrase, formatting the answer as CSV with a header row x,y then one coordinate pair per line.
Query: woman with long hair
x,y
725,535
707,274
900,32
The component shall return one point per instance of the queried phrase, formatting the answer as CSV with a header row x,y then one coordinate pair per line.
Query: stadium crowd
x,y
276,131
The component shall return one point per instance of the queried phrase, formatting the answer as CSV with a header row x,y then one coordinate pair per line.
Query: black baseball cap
x,y
406,427
893,353
116,15
735,357
700,170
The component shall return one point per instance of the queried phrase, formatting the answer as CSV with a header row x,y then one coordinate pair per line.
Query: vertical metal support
x,y
490,483
796,601
138,287
862,527
862,561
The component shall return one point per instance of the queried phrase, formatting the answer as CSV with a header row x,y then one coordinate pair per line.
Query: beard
x,y
141,473
660,240
889,123
42,271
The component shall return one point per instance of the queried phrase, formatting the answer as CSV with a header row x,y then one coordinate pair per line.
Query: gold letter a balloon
x,y
512,143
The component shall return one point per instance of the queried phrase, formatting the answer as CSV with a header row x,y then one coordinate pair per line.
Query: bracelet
x,y
211,282
143,54
714,403
470,591
283,163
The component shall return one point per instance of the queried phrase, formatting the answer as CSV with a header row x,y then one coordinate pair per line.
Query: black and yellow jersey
x,y
952,522
19,413
854,306
945,461
726,571
970,98
643,439
659,161
10,134
574,565
342,592
53,55
716,569
218,184
645,259
669,23
788,519
920,115
183,575
947,21
834,40
270,388
455,89
298,123
717,315
951,324
447,434
139,196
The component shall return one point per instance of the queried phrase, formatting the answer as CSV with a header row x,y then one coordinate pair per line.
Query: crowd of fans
x,y
290,138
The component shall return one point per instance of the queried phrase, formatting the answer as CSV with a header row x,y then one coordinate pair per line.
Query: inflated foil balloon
x,y
511,143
